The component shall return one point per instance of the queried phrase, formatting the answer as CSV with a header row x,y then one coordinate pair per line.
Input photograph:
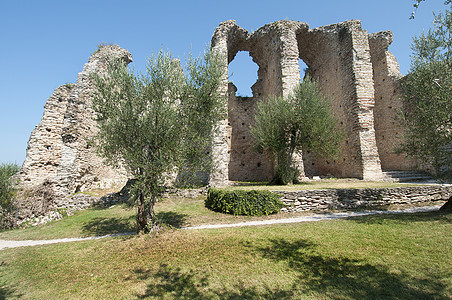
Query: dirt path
x,y
311,218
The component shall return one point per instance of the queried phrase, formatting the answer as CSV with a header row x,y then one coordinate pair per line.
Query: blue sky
x,y
44,44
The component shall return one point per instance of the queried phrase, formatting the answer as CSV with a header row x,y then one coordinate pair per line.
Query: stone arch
x,y
244,73
245,163
337,56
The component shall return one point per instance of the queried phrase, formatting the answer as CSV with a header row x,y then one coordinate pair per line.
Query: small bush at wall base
x,y
7,194
248,203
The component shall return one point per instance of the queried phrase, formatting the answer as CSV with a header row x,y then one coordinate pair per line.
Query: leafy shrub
x,y
284,126
249,203
7,193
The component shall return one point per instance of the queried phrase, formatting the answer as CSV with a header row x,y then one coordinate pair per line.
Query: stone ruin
x,y
59,154
352,67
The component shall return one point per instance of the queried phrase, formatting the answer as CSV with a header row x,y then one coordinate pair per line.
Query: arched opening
x,y
245,163
242,72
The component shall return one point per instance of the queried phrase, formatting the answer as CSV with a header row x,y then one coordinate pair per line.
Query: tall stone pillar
x,y
290,74
359,82
222,139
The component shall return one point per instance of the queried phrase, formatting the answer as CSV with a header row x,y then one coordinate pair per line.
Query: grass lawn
x,y
174,211
375,257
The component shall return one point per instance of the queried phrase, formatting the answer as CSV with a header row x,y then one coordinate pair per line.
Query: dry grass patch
x,y
89,222
390,257
345,183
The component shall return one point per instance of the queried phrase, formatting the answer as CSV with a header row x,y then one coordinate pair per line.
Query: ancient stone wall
x,y
339,57
387,78
45,145
59,151
352,68
362,198
246,164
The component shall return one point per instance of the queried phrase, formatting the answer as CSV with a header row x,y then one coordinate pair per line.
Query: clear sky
x,y
45,43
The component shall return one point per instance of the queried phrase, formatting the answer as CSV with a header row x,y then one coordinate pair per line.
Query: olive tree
x,y
302,121
7,193
427,97
156,123
417,3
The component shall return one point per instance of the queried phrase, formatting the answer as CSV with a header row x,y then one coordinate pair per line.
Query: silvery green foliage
x,y
158,123
418,2
7,193
302,121
427,96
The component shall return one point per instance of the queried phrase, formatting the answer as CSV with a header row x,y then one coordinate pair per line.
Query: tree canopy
x,y
159,123
302,121
417,3
427,96
7,193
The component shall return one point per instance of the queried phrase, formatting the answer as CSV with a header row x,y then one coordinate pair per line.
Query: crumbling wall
x,y
273,48
338,56
320,49
352,68
387,77
224,42
245,163
45,145
59,151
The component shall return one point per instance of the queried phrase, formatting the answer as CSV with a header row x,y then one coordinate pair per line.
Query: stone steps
x,y
406,176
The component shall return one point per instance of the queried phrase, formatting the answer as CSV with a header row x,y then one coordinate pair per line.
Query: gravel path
x,y
13,244
310,218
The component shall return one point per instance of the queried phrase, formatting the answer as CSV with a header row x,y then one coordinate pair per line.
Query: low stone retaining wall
x,y
39,209
362,198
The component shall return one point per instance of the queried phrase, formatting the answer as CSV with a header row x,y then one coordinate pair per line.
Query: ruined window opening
x,y
243,73
303,68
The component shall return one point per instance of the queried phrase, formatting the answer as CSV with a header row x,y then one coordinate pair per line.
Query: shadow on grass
x,y
315,276
172,219
344,278
112,225
176,284
432,216
104,226
7,291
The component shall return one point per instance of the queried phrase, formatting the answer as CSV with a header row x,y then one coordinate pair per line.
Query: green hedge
x,y
248,203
